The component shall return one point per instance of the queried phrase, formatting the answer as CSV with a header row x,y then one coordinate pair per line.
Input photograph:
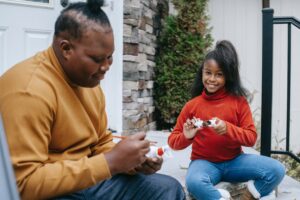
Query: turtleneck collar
x,y
220,94
58,67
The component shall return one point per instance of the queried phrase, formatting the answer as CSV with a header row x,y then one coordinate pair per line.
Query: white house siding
x,y
286,8
240,21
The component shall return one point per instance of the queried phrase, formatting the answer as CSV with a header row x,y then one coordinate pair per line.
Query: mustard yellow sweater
x,y
56,130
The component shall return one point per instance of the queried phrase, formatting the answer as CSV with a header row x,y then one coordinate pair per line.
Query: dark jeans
x,y
131,187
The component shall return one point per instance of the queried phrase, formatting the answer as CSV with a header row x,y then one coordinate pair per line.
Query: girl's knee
x,y
197,184
277,169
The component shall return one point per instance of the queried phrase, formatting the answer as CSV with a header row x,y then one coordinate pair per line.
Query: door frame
x,y
112,84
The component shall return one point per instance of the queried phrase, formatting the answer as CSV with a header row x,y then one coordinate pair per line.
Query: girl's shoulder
x,y
194,102
195,99
241,99
237,97
238,100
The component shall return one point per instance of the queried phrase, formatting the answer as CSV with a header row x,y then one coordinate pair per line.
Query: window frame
x,y
30,3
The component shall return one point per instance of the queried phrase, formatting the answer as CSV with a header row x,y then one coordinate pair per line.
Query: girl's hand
x,y
220,126
189,129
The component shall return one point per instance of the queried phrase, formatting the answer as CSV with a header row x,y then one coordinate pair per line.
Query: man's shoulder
x,y
30,76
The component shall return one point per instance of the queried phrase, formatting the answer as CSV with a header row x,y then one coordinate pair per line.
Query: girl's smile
x,y
212,76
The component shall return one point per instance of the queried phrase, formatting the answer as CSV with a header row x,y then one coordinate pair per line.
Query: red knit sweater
x,y
207,144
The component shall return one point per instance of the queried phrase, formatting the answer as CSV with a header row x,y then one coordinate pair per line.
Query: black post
x,y
267,79
288,109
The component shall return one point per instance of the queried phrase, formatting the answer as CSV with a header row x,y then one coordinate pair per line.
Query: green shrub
x,y
182,45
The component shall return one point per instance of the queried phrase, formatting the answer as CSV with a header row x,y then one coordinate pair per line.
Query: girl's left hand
x,y
220,126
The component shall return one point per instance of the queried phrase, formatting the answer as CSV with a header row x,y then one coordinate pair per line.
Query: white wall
x,y
240,21
286,8
112,84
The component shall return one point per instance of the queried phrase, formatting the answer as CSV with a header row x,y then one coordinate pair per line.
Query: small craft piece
x,y
163,151
211,123
198,123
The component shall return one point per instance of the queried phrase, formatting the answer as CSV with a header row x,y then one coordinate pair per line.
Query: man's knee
x,y
165,187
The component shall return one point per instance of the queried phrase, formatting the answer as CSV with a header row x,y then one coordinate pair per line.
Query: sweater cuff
x,y
229,130
99,167
186,140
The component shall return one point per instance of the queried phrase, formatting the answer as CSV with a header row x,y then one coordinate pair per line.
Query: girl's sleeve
x,y
244,133
177,140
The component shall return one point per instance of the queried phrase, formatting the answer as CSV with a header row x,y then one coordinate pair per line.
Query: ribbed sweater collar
x,y
220,94
58,67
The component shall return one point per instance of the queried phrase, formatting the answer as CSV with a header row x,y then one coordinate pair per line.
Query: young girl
x,y
216,150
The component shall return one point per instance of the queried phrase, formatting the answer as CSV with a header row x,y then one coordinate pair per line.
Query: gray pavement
x,y
177,166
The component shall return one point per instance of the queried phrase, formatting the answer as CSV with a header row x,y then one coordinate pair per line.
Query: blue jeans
x,y
202,175
131,187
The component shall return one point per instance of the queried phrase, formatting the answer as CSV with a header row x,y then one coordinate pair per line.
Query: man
x,y
54,115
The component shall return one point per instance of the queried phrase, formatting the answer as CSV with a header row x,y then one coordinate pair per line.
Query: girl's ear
x,y
66,49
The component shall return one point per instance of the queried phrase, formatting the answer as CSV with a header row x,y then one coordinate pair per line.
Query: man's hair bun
x,y
95,5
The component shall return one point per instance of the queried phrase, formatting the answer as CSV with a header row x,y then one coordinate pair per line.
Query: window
x,y
40,3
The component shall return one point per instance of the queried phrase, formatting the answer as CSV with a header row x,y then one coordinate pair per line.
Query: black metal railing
x,y
267,81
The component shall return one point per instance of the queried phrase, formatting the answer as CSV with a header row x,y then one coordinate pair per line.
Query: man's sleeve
x,y
27,121
105,143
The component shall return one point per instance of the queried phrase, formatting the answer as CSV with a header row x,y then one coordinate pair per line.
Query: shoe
x,y
225,194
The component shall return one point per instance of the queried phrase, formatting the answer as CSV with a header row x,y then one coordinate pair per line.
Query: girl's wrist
x,y
188,137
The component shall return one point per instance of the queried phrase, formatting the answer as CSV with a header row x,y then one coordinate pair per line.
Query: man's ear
x,y
66,49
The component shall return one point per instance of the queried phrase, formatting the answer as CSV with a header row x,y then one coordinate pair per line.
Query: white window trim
x,y
30,3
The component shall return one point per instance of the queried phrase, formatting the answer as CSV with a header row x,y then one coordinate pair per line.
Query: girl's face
x,y
212,76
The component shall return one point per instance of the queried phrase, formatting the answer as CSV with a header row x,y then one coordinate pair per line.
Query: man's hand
x,y
128,153
150,166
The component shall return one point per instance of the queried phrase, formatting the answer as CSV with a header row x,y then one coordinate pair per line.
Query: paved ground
x,y
289,189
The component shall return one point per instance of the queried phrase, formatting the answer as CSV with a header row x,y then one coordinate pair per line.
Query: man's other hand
x,y
150,166
128,153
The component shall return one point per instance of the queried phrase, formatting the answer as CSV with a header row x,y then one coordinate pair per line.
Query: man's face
x,y
90,57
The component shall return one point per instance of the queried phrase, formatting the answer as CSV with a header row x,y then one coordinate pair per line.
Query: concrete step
x,y
289,189
235,190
